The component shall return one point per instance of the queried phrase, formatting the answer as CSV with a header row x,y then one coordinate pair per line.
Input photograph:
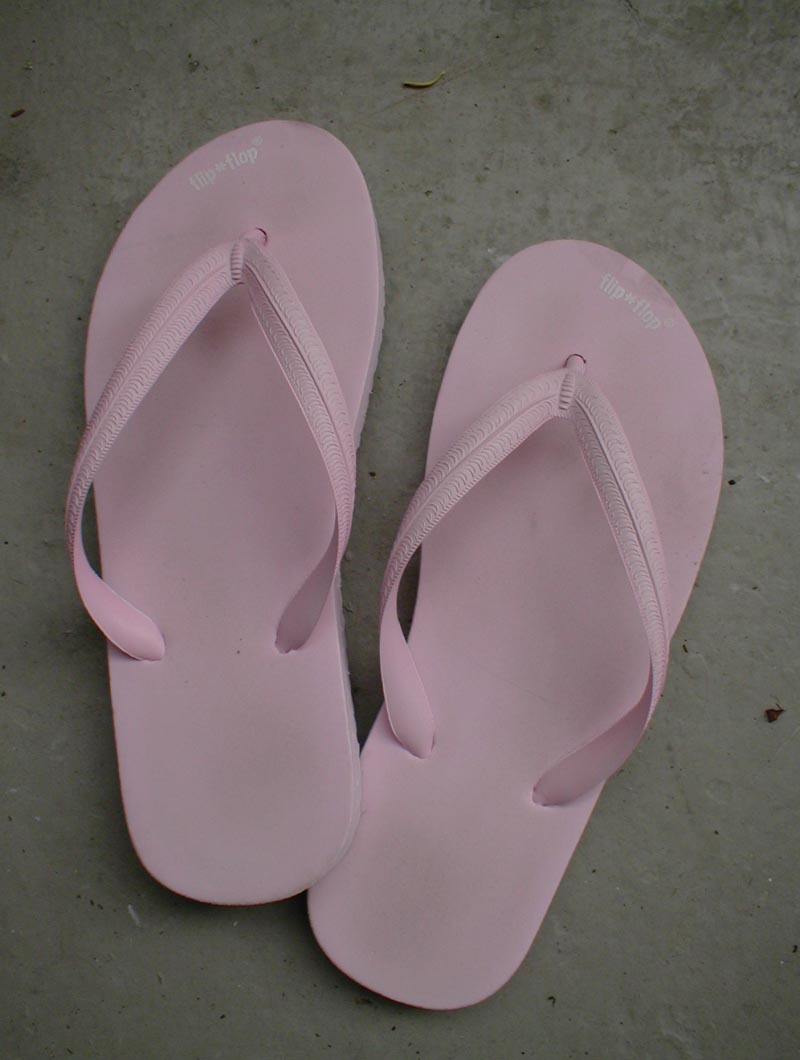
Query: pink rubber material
x,y
308,371
485,444
224,497
558,557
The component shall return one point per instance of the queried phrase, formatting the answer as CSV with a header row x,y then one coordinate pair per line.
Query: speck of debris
x,y
552,999
425,84
773,713
731,481
372,474
794,950
193,63
17,113
684,648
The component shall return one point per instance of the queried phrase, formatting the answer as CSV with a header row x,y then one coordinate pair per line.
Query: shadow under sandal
x,y
574,470
221,447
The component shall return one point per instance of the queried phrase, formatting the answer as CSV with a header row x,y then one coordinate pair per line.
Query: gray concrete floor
x,y
667,130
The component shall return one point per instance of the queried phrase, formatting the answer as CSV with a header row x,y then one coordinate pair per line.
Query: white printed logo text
x,y
204,178
640,307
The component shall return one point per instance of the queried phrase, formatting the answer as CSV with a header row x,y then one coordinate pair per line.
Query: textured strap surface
x,y
311,377
490,439
308,370
563,394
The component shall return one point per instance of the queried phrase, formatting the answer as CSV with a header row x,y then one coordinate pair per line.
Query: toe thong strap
x,y
563,394
312,378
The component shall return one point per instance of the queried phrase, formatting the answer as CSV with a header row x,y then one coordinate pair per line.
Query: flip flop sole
x,y
238,764
525,633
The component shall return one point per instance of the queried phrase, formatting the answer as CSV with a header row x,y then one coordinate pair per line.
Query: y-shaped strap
x,y
313,381
563,394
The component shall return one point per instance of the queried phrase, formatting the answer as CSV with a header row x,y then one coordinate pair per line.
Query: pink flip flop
x,y
563,530
251,277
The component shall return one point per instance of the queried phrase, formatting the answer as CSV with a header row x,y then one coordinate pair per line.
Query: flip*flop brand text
x,y
204,178
640,307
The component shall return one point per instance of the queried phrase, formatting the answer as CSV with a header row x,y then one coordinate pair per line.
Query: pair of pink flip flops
x,y
573,474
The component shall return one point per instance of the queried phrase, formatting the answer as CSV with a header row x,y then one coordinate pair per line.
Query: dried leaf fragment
x,y
425,84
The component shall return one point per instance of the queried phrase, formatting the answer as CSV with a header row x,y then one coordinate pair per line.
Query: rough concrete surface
x,y
667,130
